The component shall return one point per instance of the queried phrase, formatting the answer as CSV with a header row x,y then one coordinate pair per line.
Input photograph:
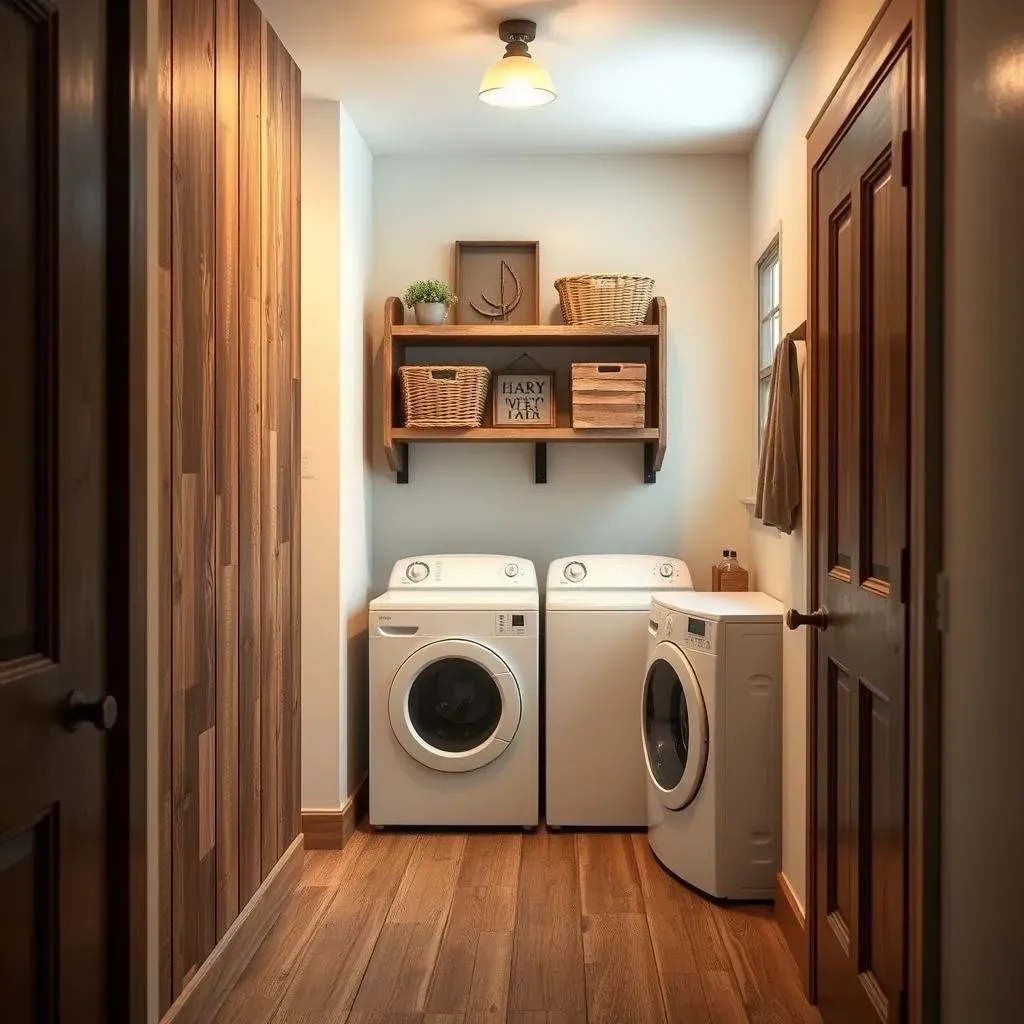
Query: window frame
x,y
772,255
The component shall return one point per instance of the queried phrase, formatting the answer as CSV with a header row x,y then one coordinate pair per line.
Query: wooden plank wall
x,y
229,441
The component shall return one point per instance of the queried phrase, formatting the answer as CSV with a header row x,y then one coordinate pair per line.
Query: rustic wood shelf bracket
x,y
540,462
650,463
402,469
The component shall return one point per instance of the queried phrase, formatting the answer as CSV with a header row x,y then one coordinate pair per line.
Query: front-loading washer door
x,y
455,705
675,726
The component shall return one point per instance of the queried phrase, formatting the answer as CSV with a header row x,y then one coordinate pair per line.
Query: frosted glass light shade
x,y
516,82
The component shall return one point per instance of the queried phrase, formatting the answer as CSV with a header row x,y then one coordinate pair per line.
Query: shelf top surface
x,y
524,434
513,334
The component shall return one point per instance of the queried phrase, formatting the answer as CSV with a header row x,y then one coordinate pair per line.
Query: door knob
x,y
78,709
816,619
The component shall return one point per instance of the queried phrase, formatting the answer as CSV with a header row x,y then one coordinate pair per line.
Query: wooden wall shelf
x,y
649,340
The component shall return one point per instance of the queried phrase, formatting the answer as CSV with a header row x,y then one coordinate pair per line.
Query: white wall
x,y
356,496
322,719
336,245
982,699
779,204
684,221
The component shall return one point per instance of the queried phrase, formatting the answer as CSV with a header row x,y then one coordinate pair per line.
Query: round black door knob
x,y
79,710
816,620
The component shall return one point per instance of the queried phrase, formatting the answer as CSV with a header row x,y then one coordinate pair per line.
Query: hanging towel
x,y
777,502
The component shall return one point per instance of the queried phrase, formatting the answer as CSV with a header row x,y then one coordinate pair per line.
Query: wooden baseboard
x,y
216,976
331,830
793,925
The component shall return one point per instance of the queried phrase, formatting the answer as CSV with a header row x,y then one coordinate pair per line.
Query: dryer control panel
x,y
463,572
619,572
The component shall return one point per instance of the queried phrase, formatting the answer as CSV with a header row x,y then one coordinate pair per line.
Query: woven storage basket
x,y
605,298
444,396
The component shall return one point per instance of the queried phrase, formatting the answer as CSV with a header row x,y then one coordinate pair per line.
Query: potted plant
x,y
431,300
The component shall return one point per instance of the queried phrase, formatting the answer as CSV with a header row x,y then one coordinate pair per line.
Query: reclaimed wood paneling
x,y
295,273
227,420
282,139
229,760
164,632
250,286
270,700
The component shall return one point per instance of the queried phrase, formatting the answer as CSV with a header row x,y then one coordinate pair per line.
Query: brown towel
x,y
777,502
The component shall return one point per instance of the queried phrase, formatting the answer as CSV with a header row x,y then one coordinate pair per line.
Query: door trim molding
x,y
206,991
919,21
127,107
793,924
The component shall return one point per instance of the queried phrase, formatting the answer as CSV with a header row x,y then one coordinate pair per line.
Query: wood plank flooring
x,y
541,928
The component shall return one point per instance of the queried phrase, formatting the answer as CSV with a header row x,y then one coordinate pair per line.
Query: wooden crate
x,y
734,581
609,395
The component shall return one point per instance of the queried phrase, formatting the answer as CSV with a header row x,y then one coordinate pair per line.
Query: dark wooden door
x,y
861,225
53,494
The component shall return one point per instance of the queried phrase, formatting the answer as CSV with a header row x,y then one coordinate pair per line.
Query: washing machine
x,y
454,693
595,619
711,728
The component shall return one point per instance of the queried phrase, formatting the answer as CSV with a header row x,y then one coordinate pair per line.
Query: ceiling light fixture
x,y
517,80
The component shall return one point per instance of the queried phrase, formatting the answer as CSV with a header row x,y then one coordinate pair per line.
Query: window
x,y
768,327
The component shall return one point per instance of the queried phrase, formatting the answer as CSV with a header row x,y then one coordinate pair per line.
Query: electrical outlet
x,y
307,464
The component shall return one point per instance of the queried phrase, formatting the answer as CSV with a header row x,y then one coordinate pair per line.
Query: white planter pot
x,y
431,314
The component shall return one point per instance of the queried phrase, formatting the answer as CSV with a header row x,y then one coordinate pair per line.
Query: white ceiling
x,y
631,75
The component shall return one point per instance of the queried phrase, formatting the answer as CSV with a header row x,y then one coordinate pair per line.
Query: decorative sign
x,y
524,399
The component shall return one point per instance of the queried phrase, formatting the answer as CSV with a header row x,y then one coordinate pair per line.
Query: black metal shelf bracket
x,y
540,462
650,473
402,472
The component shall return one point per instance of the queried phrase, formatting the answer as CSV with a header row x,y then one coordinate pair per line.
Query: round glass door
x,y
454,705
675,727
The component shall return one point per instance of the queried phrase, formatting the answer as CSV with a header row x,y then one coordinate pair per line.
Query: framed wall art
x,y
497,282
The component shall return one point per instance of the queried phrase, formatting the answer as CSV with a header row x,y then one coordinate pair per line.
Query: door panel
x,y
53,512
861,222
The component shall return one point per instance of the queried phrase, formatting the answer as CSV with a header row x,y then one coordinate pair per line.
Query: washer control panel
x,y
689,631
417,572
575,572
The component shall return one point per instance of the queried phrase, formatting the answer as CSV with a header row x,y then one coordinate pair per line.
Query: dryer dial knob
x,y
665,570
575,572
417,572
511,570
669,623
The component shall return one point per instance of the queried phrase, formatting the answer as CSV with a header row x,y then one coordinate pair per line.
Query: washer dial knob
x,y
665,570
575,572
417,572
511,570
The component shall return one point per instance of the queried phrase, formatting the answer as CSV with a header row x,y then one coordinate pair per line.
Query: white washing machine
x,y
596,614
454,694
712,740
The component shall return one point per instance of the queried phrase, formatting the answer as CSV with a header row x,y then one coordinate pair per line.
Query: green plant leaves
x,y
429,291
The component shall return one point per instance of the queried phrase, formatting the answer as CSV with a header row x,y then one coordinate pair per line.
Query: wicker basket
x,y
444,396
605,298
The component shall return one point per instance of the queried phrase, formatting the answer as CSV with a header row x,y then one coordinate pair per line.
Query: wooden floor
x,y
530,929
